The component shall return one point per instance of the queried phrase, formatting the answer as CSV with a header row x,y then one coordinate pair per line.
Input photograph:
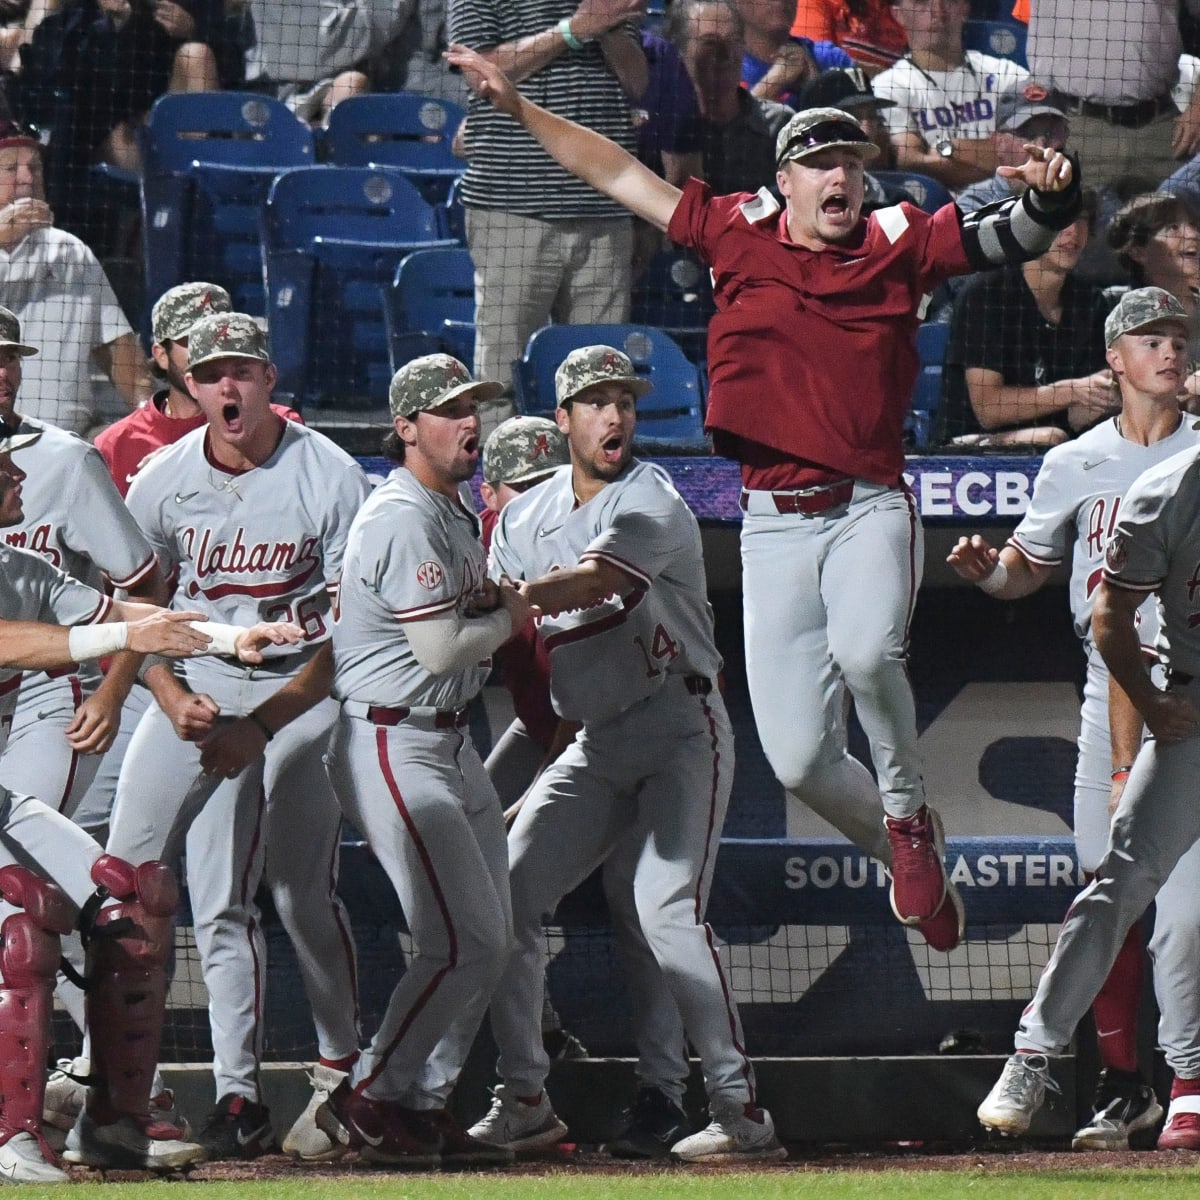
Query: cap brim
x,y
637,385
850,103
17,441
20,347
199,362
532,476
1013,124
868,151
1167,320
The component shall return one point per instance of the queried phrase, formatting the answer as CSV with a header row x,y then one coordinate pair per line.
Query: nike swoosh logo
x,y
366,1137
184,497
1087,466
548,532
130,478
244,1139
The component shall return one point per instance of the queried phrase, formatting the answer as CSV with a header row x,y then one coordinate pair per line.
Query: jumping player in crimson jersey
x,y
610,553
812,360
1075,505
251,513
122,911
417,623
1152,548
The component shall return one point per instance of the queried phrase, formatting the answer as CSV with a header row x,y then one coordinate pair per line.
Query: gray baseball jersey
x,y
33,590
412,553
606,658
1156,547
1077,499
263,545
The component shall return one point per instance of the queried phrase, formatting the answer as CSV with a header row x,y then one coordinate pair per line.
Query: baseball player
x,y
610,554
1154,547
76,519
251,512
519,454
122,911
812,361
1076,499
417,622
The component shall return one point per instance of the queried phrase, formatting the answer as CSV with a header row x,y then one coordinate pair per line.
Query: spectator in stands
x,y
668,116
774,63
1111,72
737,129
58,289
945,95
1025,351
1024,117
313,57
866,29
413,63
1156,237
545,245
116,57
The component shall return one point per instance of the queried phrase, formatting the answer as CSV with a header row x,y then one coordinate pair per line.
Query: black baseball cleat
x,y
653,1126
237,1128
1124,1105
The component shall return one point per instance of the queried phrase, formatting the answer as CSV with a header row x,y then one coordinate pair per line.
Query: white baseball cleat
x,y
519,1126
732,1135
23,1161
1017,1095
65,1092
130,1143
305,1140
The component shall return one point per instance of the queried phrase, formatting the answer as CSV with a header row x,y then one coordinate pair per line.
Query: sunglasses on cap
x,y
824,133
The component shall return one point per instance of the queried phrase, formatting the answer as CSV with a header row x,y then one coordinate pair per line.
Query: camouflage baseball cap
x,y
10,334
596,364
177,310
817,129
433,380
523,449
15,441
1141,307
226,335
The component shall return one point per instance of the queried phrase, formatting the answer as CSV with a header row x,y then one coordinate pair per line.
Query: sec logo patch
x,y
1117,554
430,574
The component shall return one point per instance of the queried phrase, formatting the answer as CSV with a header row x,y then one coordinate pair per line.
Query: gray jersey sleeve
x,y
648,528
98,524
415,576
144,501
353,488
1139,551
1047,529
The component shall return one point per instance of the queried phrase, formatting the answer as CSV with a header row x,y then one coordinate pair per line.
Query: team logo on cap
x,y
430,574
541,448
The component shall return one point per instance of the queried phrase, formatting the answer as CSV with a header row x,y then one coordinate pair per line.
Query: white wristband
x,y
223,637
95,641
994,583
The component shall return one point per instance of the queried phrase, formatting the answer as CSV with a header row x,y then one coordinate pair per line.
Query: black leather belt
x,y
1129,116
1180,677
453,718
808,500
698,685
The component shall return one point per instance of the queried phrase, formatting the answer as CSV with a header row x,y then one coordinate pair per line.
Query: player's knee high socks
x,y
1116,1004
29,954
128,944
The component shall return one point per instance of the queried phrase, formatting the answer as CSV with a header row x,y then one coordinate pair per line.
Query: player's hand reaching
x,y
94,725
191,714
1171,717
516,604
231,747
1045,170
485,79
166,633
485,599
251,642
973,558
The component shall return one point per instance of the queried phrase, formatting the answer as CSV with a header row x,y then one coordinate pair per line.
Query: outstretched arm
x,y
590,155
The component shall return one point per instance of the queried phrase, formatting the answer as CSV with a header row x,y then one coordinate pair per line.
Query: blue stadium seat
x,y
674,294
672,414
927,394
333,237
410,132
430,306
210,159
1003,39
926,192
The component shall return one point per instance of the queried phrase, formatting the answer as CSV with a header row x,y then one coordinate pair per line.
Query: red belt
x,y
810,500
453,718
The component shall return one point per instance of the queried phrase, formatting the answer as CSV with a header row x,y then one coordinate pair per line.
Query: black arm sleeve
x,y
1019,229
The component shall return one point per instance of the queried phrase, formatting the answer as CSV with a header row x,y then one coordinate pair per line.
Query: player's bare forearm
x,y
976,561
577,587
1125,726
32,646
126,367
590,155
1169,716
309,686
